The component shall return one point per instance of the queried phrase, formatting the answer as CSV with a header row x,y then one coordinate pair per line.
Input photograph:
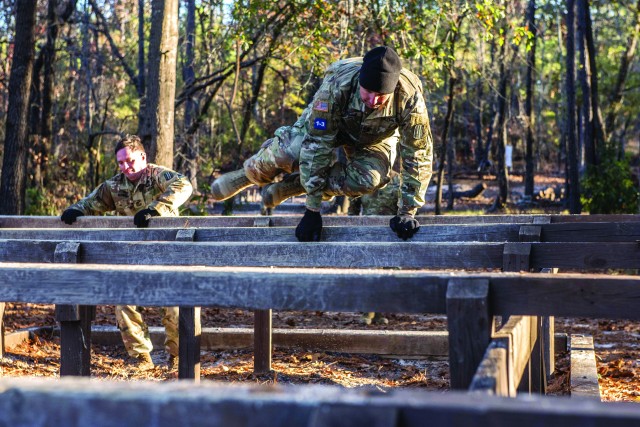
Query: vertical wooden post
x,y
262,341
548,322
75,323
1,330
189,329
189,332
470,327
262,324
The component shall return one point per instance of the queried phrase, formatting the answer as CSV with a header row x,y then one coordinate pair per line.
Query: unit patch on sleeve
x,y
168,175
320,105
320,124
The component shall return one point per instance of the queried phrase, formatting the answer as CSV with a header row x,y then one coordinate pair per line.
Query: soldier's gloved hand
x,y
69,216
405,226
310,227
141,219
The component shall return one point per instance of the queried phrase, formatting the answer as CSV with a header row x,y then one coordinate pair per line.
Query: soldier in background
x,y
373,108
142,190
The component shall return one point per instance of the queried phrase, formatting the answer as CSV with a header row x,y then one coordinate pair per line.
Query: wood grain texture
x,y
292,220
470,325
70,403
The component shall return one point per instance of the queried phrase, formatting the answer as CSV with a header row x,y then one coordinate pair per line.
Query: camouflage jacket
x,y
158,188
337,116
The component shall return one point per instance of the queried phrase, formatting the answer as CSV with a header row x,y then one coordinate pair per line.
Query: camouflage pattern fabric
x,y
383,201
158,188
135,332
337,117
165,191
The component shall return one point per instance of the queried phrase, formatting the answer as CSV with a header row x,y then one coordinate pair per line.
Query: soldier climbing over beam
x,y
373,108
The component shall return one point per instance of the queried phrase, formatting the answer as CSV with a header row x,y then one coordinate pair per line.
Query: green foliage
x,y
609,188
40,202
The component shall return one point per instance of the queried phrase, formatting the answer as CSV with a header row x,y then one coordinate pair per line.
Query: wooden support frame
x,y
584,372
2,330
189,328
470,325
75,323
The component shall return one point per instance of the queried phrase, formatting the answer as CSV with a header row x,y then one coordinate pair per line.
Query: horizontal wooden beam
x,y
427,233
570,295
78,402
584,371
398,254
292,220
384,343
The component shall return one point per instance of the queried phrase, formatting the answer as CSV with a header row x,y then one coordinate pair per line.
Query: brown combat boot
x,y
277,192
173,362
229,184
143,361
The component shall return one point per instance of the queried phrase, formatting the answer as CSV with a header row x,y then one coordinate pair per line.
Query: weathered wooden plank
x,y
591,232
78,402
339,254
2,339
262,341
292,220
428,233
516,257
570,295
414,344
585,255
515,335
254,288
584,372
92,234
492,374
189,331
500,232
530,233
75,323
464,255
470,324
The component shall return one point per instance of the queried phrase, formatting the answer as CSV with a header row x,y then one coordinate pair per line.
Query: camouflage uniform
x,y
337,117
158,188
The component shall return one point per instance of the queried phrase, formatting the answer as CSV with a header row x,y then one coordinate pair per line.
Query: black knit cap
x,y
380,70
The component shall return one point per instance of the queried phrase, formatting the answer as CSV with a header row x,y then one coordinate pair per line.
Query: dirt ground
x,y
617,353
617,343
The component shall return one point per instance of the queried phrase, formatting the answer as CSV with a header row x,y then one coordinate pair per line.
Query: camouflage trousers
x,y
383,201
365,169
135,332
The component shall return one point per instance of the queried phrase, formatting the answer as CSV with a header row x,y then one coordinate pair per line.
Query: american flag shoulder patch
x,y
321,106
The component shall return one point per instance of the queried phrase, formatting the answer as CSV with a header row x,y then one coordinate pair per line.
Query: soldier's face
x,y
131,163
373,99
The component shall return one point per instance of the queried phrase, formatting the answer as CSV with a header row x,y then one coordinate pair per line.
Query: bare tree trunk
x,y
443,150
598,131
161,88
615,100
528,105
14,164
501,129
190,147
572,149
141,83
584,77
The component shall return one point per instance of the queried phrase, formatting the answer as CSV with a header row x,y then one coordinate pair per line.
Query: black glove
x,y
310,227
405,226
141,219
69,216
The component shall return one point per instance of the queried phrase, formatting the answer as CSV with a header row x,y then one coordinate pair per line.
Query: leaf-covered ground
x,y
617,352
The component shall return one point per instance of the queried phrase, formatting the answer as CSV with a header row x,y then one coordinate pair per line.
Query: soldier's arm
x,y
321,126
176,190
97,202
416,150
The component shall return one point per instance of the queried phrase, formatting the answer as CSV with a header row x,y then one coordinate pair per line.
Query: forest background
x,y
205,82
